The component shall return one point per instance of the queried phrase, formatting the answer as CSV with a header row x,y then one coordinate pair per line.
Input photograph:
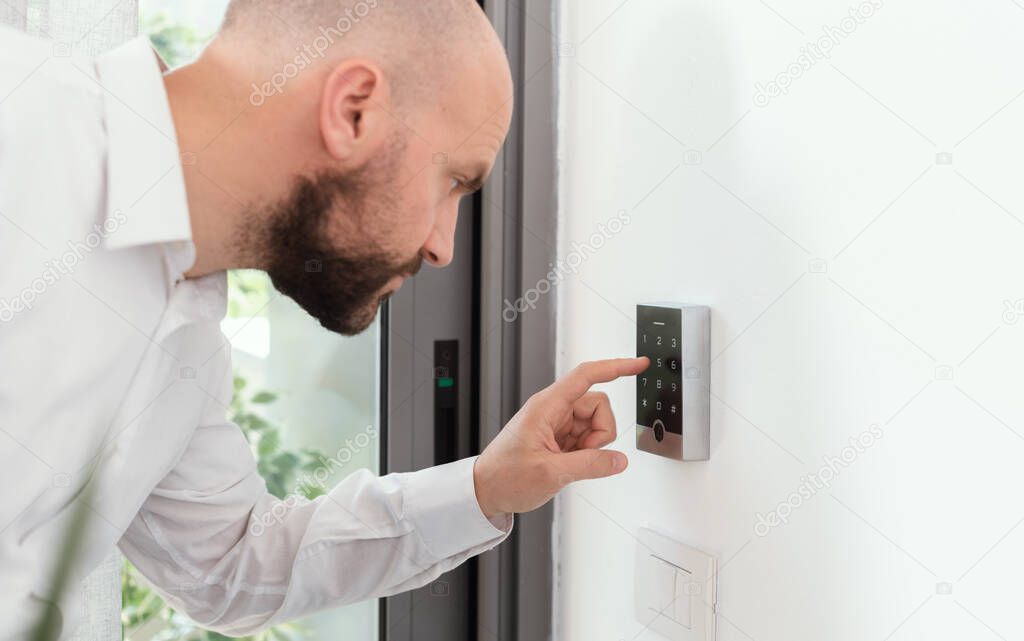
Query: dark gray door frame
x,y
508,238
519,241
421,321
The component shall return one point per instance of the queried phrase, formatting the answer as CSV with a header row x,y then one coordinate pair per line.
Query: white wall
x,y
850,276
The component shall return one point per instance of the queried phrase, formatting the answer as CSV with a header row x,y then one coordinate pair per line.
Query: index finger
x,y
579,381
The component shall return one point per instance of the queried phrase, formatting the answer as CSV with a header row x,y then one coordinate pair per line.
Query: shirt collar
x,y
146,198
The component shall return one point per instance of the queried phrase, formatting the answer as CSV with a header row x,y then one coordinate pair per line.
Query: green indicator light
x,y
445,382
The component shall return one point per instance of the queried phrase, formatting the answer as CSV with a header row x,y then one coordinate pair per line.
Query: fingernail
x,y
619,462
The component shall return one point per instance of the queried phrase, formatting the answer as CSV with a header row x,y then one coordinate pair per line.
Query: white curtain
x,y
86,27
13,13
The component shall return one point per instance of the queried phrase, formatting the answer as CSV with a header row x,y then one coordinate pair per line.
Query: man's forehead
x,y
470,111
489,132
474,108
472,132
479,90
476,153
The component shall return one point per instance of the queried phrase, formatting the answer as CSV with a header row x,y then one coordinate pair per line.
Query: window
x,y
308,400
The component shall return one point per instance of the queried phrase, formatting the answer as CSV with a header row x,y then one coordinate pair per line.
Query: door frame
x,y
520,207
512,355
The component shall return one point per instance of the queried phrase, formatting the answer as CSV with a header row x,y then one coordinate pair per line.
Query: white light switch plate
x,y
676,589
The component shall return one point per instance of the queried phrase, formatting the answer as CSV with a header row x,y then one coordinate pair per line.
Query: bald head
x,y
420,44
368,122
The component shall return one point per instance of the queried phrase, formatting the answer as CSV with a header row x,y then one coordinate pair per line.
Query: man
x,y
125,194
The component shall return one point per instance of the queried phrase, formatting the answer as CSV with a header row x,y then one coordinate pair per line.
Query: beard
x,y
342,287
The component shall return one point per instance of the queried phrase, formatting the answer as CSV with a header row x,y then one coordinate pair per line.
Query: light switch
x,y
675,588
664,583
684,589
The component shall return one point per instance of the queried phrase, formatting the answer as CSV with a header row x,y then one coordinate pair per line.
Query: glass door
x,y
308,400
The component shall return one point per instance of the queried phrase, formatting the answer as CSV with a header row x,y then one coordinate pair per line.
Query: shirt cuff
x,y
441,504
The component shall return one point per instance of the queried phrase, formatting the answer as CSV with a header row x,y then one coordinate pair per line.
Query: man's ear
x,y
352,110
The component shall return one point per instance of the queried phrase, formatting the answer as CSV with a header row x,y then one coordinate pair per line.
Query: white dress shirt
x,y
117,378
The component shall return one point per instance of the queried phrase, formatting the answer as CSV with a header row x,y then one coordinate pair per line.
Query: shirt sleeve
x,y
220,548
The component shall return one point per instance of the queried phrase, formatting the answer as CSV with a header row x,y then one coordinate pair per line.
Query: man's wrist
x,y
479,486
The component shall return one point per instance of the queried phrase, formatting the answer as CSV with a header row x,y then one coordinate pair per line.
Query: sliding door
x,y
430,406
308,400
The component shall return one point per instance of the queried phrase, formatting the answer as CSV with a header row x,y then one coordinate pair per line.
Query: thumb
x,y
590,464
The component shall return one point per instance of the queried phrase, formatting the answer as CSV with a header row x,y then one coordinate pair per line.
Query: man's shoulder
x,y
49,94
18,45
53,145
24,57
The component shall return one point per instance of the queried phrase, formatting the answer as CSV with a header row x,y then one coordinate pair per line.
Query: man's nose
x,y
439,250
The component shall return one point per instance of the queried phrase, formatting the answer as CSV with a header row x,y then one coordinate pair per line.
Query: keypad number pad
x,y
659,389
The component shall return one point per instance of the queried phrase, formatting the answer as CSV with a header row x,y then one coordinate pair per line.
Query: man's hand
x,y
553,441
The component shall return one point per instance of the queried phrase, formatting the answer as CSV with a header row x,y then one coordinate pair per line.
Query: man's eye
x,y
456,185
